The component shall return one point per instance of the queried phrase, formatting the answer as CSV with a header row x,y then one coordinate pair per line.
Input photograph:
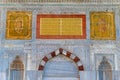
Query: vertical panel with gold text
x,y
19,25
102,26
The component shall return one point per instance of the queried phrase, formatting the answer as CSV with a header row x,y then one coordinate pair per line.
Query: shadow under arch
x,y
55,53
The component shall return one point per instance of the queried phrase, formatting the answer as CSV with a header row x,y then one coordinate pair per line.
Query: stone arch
x,y
55,53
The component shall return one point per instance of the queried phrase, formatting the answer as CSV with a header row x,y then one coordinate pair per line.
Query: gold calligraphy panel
x,y
49,26
71,26
53,26
102,26
18,25
61,26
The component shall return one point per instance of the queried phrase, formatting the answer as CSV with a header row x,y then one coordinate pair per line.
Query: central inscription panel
x,y
50,26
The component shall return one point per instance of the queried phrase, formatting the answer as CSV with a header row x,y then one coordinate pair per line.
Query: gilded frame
x,y
102,26
18,25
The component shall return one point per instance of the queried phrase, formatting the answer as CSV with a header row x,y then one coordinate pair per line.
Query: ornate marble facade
x,y
70,59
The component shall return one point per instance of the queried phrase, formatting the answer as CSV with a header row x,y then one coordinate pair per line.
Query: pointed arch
x,y
105,69
17,64
55,53
17,69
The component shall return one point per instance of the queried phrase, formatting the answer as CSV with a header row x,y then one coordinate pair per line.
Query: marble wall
x,y
32,51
